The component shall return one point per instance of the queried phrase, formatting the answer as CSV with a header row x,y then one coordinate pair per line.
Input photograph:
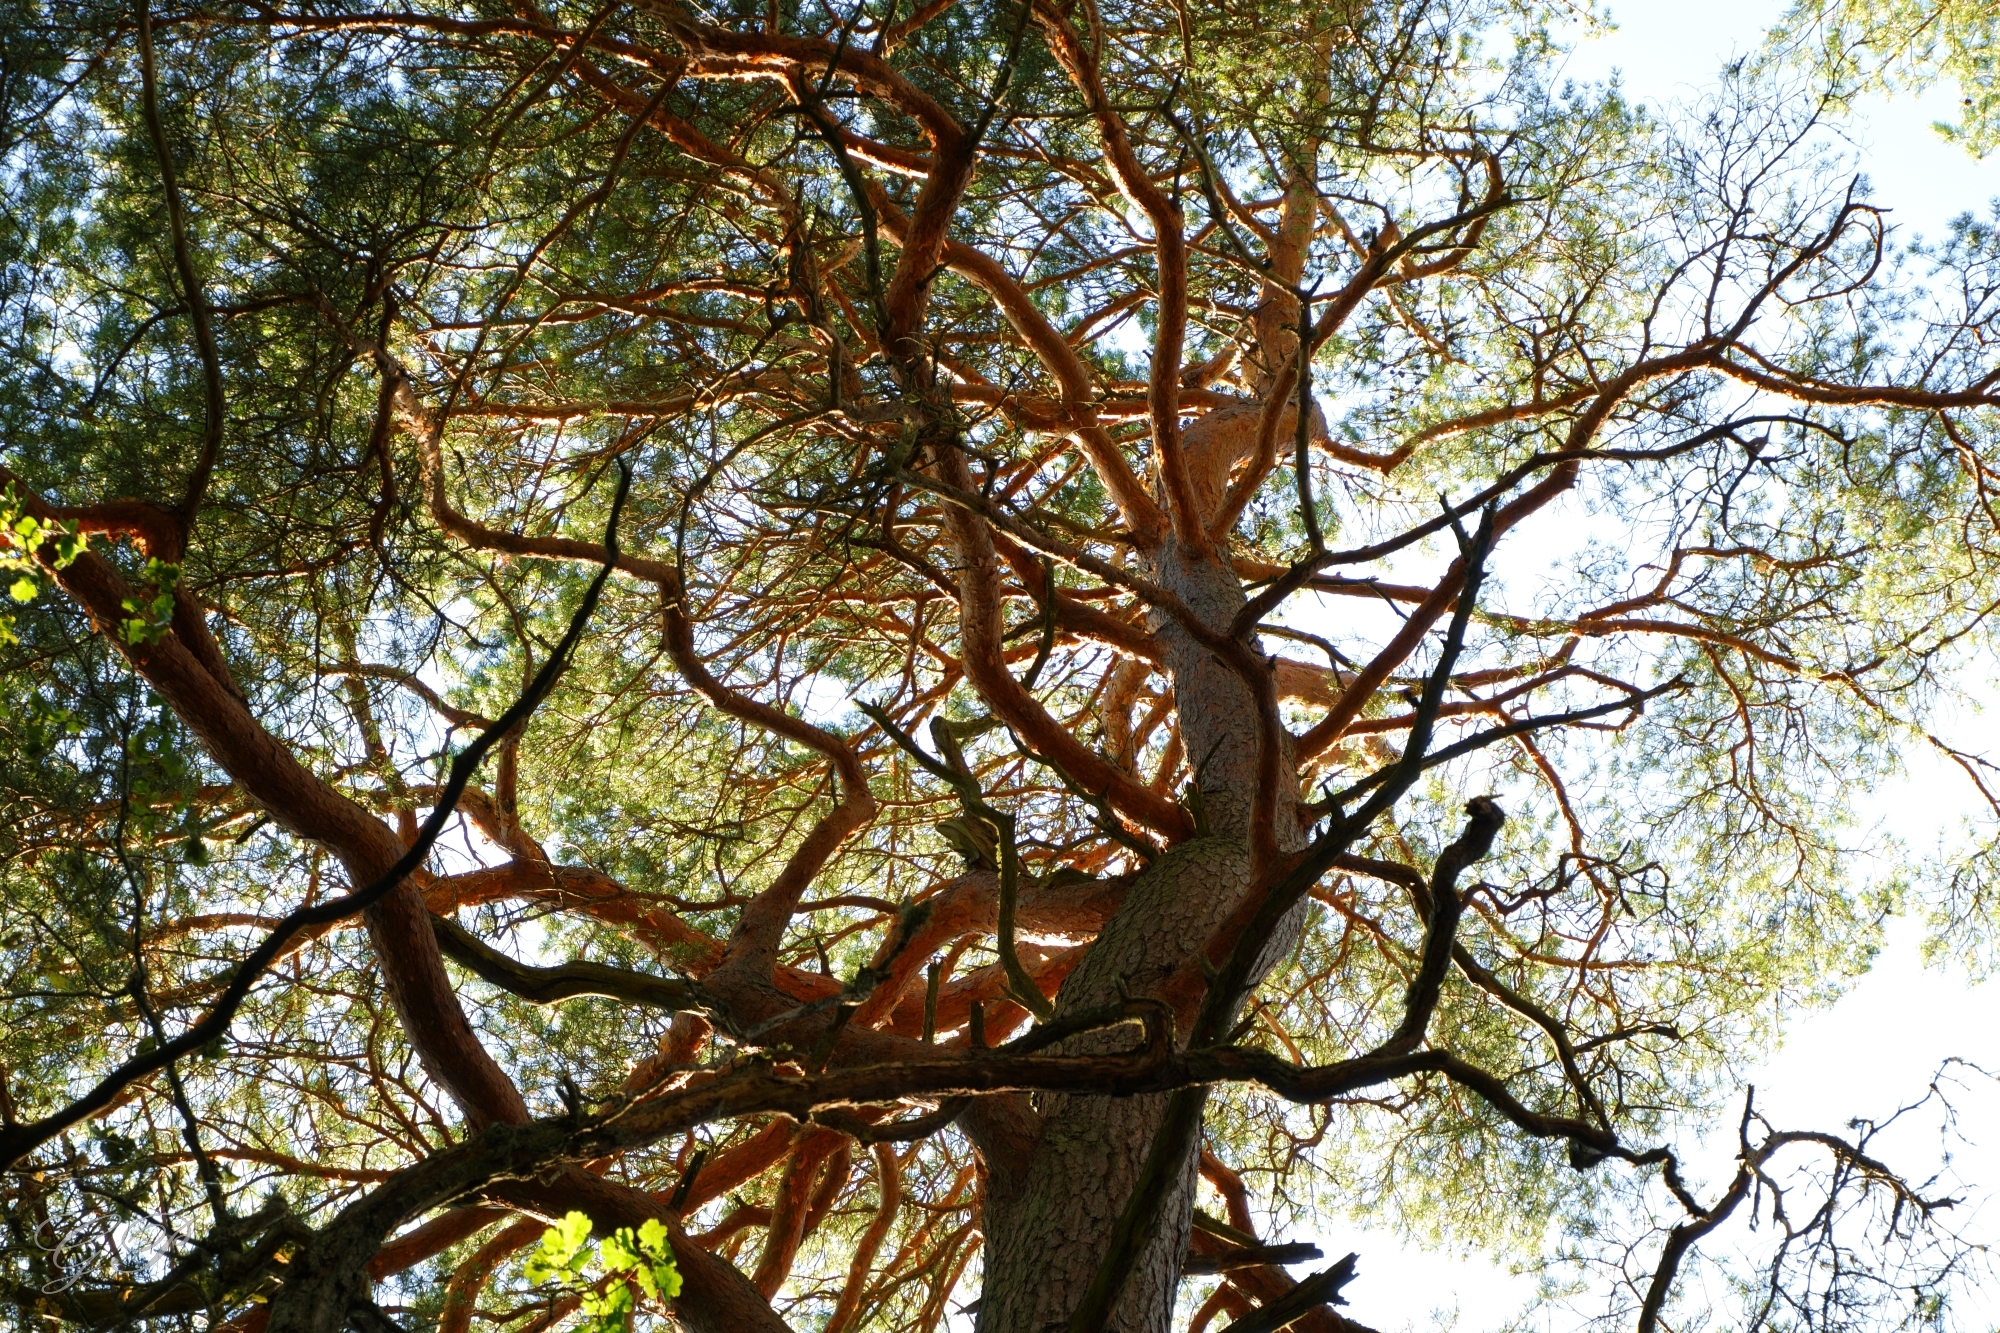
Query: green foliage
x,y
625,1266
1906,44
22,536
152,612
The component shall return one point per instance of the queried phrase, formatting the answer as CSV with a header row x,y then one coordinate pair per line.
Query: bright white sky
x,y
1881,1044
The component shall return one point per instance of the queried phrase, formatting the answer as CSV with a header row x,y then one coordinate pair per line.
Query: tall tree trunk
x,y
1048,1222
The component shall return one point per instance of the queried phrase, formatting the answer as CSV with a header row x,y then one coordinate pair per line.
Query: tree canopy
x,y
1863,45
831,665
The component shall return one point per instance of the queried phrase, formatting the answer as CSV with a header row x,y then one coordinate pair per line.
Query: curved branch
x,y
1171,303
167,666
1011,702
213,409
565,981
1075,381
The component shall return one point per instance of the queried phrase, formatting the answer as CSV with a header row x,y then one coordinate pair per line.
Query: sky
x,y
1880,1045
1669,51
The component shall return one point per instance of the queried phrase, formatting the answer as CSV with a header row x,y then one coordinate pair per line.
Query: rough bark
x,y
1046,1227
1048,1223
